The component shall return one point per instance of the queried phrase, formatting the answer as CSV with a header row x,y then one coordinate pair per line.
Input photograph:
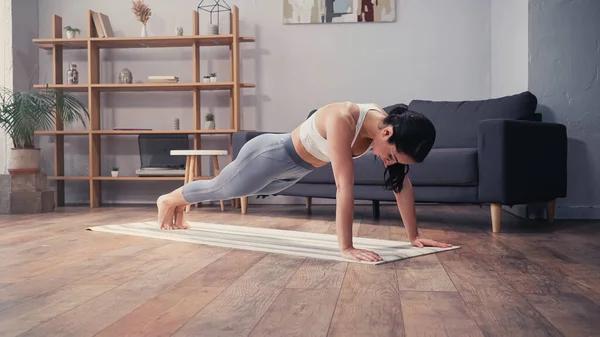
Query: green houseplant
x,y
24,113
72,32
210,121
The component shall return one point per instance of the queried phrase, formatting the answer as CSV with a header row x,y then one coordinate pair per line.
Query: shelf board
x,y
141,132
143,87
146,87
63,132
81,43
133,178
142,42
131,132
64,87
124,178
69,178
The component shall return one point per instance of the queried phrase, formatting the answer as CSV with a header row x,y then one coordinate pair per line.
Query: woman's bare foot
x,y
166,212
178,222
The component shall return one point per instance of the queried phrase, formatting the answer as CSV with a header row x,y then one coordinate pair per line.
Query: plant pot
x,y
206,79
213,79
71,34
210,125
213,29
24,161
114,173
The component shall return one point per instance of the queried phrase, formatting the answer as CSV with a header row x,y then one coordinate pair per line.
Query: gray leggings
x,y
267,164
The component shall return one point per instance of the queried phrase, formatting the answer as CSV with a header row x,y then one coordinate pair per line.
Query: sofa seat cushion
x,y
446,167
367,171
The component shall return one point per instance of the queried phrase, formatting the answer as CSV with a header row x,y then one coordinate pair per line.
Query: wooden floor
x,y
534,279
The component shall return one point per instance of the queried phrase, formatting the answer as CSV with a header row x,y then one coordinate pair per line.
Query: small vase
x,y
144,30
114,173
206,79
210,125
213,29
70,34
213,79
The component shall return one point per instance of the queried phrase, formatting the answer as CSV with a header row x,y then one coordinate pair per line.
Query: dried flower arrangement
x,y
142,11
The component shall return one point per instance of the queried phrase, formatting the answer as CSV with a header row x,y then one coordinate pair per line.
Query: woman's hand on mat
x,y
360,255
421,242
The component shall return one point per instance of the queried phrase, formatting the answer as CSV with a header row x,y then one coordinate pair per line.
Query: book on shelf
x,y
102,24
163,79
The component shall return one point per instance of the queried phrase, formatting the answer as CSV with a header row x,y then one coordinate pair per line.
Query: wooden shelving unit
x,y
93,44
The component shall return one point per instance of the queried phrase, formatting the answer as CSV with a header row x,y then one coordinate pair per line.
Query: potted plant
x,y
71,32
114,171
213,77
210,121
24,113
207,78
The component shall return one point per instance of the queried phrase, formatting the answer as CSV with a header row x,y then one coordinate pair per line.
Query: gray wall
x,y
25,53
509,53
564,40
436,49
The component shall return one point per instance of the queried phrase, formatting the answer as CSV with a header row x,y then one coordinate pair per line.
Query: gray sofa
x,y
495,151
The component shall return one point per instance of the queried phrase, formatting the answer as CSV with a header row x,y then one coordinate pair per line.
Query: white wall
x,y
436,49
509,56
6,77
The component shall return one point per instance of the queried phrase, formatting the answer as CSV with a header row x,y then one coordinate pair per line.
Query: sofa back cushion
x,y
457,122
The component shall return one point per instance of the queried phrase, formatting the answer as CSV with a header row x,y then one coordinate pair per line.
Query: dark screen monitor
x,y
155,150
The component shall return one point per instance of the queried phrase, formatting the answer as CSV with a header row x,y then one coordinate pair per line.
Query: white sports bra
x,y
316,145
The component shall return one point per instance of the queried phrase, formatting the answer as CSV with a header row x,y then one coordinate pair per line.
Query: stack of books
x,y
163,79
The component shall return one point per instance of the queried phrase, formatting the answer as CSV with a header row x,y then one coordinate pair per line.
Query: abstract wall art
x,y
338,11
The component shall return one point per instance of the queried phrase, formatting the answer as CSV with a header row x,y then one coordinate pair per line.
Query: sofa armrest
x,y
521,161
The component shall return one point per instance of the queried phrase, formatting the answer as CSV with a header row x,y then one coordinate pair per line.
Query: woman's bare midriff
x,y
302,152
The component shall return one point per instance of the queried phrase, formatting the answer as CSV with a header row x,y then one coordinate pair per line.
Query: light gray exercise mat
x,y
279,241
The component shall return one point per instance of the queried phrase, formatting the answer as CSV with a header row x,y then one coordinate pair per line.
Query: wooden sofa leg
x,y
550,210
308,203
496,210
244,202
376,209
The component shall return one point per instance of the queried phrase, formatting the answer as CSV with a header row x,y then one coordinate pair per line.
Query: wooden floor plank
x,y
34,312
319,274
369,303
423,273
95,315
437,313
498,309
237,310
298,313
572,314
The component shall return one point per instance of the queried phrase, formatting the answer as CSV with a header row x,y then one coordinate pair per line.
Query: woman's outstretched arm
x,y
406,205
340,132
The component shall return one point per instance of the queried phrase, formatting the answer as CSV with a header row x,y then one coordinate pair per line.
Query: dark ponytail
x,y
413,134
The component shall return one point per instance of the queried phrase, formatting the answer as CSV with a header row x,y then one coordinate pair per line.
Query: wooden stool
x,y
190,165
